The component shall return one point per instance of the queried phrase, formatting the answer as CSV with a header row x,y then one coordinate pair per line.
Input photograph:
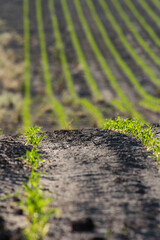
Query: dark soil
x,y
11,13
105,184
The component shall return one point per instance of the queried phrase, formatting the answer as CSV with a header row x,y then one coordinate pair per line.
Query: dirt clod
x,y
84,225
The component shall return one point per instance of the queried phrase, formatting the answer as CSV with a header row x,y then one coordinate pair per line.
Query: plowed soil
x,y
105,184
12,76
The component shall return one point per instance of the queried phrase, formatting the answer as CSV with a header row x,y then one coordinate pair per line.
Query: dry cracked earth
x,y
105,184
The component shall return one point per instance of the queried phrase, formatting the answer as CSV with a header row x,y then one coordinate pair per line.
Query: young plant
x,y
34,135
27,98
36,206
139,130
143,22
55,103
81,57
33,158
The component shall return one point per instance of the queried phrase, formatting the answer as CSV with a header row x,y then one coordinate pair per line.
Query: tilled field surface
x,y
121,61
104,183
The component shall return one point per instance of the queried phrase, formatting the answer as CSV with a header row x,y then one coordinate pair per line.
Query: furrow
x,y
83,101
57,107
27,97
128,105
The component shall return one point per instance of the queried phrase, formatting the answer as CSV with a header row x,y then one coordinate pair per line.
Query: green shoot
x,y
36,206
33,158
33,135
27,101
139,130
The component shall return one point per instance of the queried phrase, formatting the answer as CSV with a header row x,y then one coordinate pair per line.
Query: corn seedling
x,y
139,130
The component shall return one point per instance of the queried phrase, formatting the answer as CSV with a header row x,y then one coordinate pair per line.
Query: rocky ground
x,y
105,184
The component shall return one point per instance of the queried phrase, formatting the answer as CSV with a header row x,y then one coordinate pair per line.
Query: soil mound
x,y
104,183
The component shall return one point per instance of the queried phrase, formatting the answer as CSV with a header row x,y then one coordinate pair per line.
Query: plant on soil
x,y
156,3
143,22
123,99
34,136
33,158
35,204
122,63
139,130
127,44
150,12
27,97
37,208
135,32
56,105
86,104
91,82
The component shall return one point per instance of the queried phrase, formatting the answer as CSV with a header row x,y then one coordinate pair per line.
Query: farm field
x,y
71,64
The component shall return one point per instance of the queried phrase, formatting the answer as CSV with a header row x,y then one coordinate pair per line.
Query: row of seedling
x,y
55,104
129,48
86,104
139,130
35,203
125,102
131,27
137,59
143,22
149,101
150,12
27,75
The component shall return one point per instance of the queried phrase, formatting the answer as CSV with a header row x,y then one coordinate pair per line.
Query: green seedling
x,y
37,208
34,202
33,158
34,136
139,130
27,81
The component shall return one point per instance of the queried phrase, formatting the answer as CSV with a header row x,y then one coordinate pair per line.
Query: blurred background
x,y
67,64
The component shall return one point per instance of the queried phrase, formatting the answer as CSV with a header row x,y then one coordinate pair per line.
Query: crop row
x,y
143,22
150,12
59,44
116,55
122,103
137,59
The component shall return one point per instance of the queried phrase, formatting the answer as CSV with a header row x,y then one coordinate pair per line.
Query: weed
x,y
139,130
